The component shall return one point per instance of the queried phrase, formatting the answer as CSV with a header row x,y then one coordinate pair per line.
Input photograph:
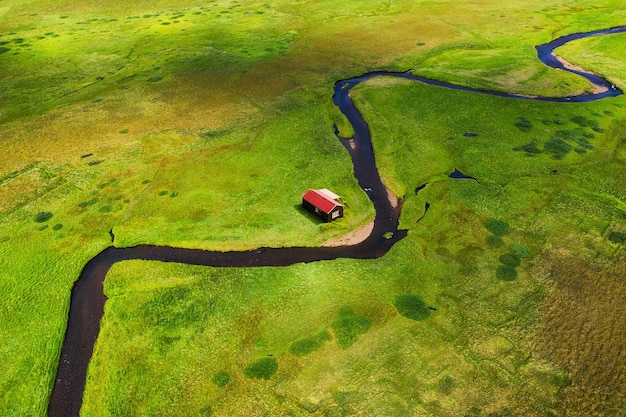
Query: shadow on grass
x,y
305,213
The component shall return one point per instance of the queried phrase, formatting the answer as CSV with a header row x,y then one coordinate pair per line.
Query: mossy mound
x,y
494,241
510,259
220,379
348,327
43,216
497,227
521,251
412,307
506,273
308,345
261,369
617,237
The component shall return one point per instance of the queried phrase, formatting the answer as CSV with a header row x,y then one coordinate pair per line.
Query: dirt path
x,y
352,238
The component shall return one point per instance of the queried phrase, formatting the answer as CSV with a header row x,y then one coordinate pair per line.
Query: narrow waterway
x,y
88,299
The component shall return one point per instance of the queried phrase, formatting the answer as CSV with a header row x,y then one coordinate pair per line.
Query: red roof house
x,y
323,203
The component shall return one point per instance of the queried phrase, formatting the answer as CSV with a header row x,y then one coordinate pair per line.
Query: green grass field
x,y
200,124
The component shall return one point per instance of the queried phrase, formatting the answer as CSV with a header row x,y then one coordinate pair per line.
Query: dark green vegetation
x,y
348,327
262,369
494,241
578,138
564,141
43,216
412,307
524,124
510,259
520,251
221,378
308,345
506,273
497,227
227,109
617,237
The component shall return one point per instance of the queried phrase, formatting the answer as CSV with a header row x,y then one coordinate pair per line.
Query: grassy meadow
x,y
200,124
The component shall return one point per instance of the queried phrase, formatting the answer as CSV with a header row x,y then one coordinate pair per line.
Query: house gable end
x,y
320,201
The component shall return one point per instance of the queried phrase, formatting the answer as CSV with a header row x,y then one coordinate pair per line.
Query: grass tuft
x,y
494,241
519,250
261,369
510,259
220,379
308,345
412,307
304,346
446,385
43,216
497,227
617,237
530,148
558,147
87,203
348,327
506,273
206,411
524,124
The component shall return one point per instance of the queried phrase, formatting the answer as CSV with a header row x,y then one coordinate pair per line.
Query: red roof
x,y
320,201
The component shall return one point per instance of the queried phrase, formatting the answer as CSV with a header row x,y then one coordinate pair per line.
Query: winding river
x,y
88,299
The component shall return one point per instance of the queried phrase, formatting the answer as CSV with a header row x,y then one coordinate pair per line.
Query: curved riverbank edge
x,y
88,299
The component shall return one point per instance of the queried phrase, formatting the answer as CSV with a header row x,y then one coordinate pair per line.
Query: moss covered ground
x,y
200,124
